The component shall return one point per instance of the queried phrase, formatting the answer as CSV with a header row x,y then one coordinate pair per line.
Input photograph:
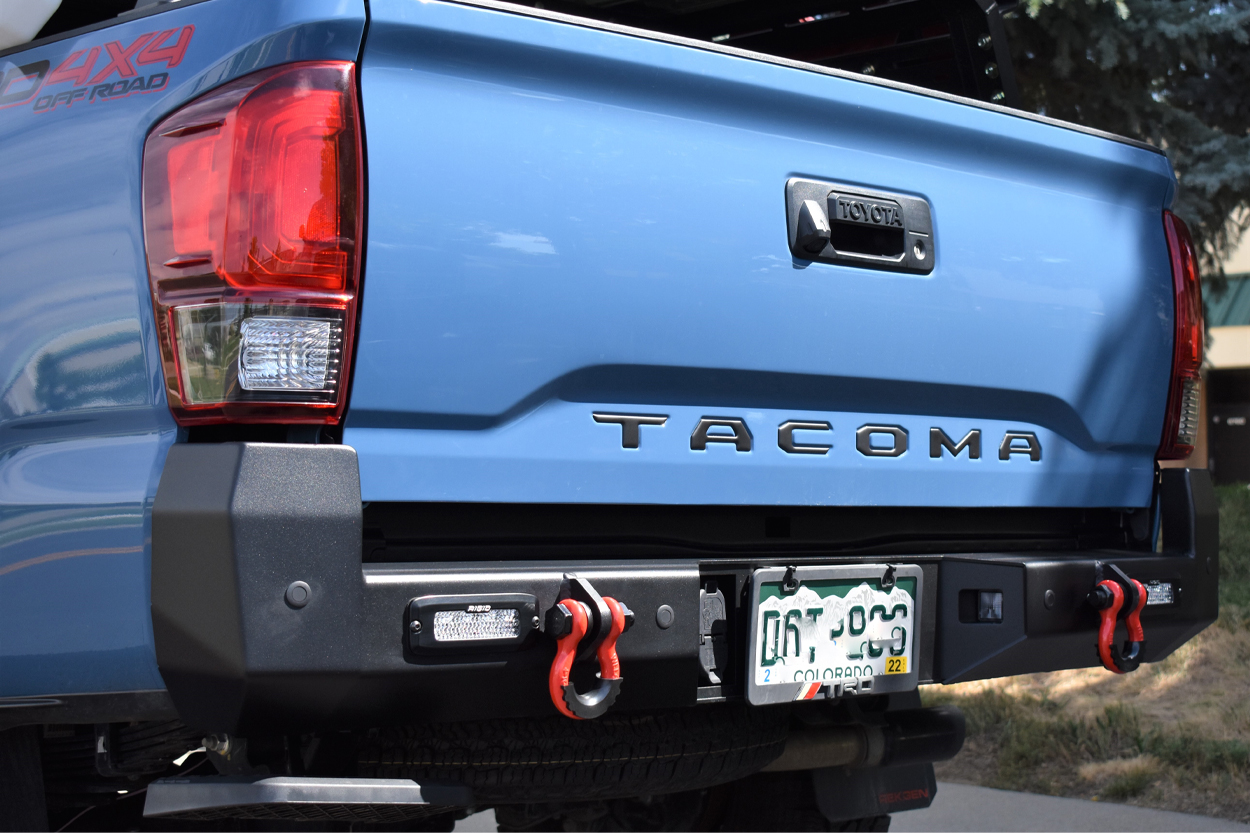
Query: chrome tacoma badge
x,y
870,440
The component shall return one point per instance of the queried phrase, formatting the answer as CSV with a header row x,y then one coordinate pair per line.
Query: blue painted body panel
x,y
564,220
84,426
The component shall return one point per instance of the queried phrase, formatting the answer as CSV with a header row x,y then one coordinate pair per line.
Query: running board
x,y
296,798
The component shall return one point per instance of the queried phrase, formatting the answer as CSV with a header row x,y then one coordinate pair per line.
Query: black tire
x,y
558,759
22,805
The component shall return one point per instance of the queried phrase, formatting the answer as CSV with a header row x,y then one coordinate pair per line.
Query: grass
x,y
1234,547
1130,784
1174,735
1031,732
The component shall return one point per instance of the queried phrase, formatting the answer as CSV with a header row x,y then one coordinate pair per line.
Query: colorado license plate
x,y
833,631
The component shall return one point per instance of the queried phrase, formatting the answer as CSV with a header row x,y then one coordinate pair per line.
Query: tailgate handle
x,y
836,223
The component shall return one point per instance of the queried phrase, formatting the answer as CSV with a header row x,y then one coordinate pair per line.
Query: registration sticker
x,y
896,665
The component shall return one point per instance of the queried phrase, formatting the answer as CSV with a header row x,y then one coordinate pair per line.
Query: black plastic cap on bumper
x,y
233,650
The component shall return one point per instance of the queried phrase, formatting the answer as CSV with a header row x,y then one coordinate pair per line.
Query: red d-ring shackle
x,y
1108,599
563,694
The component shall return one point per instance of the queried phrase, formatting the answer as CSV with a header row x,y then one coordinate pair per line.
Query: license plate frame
x,y
879,620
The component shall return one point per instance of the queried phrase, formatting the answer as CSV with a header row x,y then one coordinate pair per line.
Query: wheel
x,y
558,759
22,803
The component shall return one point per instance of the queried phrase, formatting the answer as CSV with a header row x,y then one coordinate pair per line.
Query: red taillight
x,y
1180,428
252,223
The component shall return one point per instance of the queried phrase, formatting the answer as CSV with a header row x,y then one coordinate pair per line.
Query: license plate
x,y
833,631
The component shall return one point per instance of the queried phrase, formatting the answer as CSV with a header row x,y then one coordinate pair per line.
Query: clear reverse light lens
x,y
1187,425
242,353
465,626
300,354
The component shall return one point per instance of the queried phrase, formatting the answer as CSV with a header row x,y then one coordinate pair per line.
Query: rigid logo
x,y
870,440
101,73
869,212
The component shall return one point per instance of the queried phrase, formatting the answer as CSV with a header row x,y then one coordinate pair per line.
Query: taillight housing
x,y
1180,428
252,222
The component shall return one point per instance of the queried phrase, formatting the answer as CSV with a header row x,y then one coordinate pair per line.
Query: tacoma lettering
x,y
870,440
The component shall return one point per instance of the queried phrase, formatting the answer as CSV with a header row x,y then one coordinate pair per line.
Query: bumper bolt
x,y
559,622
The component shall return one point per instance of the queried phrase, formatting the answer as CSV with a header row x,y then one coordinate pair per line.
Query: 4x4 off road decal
x,y
100,73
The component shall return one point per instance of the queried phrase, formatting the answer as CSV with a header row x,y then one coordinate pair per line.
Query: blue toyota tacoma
x,y
605,413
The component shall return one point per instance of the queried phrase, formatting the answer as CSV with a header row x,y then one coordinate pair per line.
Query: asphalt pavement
x,y
958,807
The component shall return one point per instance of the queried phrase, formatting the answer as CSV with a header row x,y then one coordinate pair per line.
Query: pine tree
x,y
1174,73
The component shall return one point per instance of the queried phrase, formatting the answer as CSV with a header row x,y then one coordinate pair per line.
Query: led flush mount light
x,y
484,621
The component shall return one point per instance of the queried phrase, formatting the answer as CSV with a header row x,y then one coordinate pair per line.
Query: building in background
x,y
1226,445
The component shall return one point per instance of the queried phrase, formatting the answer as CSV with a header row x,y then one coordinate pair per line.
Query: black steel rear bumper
x,y
234,525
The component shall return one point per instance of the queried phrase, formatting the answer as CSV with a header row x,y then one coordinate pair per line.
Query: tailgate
x,y
566,221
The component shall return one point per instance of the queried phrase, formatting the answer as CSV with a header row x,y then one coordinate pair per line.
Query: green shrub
x,y
1198,754
1129,785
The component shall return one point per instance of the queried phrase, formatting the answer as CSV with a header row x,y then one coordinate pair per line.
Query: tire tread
x,y
556,758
